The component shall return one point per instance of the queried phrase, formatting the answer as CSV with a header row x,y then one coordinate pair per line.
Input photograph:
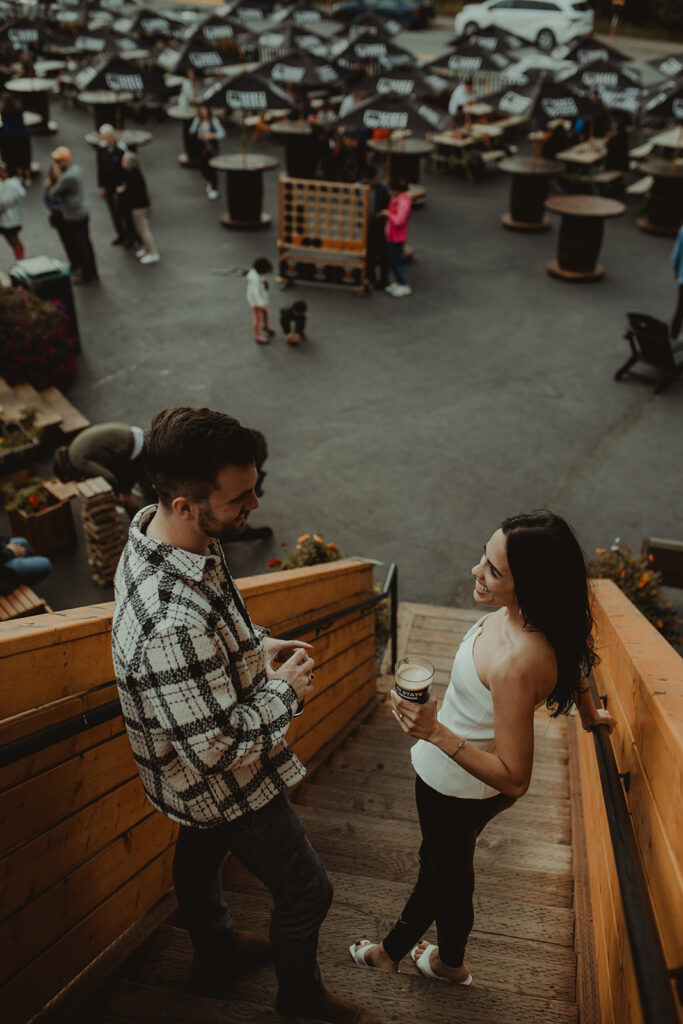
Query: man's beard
x,y
212,527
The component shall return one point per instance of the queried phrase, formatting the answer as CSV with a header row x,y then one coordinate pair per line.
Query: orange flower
x,y
643,579
304,537
332,547
34,500
599,551
318,539
659,623
650,558
274,561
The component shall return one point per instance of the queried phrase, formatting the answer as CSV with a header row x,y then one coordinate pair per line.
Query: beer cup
x,y
413,677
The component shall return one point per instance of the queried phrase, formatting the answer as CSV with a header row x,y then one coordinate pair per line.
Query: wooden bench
x,y
641,187
20,603
666,558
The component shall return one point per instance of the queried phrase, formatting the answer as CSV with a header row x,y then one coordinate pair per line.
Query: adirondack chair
x,y
650,343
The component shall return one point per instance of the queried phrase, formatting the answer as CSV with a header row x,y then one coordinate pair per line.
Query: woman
x,y
11,194
396,232
474,758
134,202
16,141
208,131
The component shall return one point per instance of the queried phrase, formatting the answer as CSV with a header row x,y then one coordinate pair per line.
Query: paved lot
x,y
404,429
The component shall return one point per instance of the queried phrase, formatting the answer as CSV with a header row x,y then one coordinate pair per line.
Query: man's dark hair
x,y
186,448
299,306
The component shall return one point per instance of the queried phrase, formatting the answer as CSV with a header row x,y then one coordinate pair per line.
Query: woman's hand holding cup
x,y
418,720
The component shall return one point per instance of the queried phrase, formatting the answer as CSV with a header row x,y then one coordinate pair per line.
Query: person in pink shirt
x,y
397,216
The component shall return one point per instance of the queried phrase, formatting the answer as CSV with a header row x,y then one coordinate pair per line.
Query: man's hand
x,y
282,649
297,670
18,550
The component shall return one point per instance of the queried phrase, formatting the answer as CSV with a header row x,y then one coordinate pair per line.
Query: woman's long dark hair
x,y
549,574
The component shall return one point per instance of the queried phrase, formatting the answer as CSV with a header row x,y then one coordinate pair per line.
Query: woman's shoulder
x,y
523,655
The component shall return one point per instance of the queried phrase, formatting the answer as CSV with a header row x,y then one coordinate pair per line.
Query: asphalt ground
x,y
403,429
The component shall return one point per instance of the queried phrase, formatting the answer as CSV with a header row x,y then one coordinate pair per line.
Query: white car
x,y
543,22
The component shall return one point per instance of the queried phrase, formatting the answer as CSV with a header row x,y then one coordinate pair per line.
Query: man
x,y
110,175
377,258
207,713
65,183
111,450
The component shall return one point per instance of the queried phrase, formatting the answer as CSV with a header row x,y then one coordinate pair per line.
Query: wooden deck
x,y
359,814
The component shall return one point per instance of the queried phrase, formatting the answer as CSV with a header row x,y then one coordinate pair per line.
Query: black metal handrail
x,y
34,742
652,975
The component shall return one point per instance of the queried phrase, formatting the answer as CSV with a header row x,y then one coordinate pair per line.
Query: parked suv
x,y
543,22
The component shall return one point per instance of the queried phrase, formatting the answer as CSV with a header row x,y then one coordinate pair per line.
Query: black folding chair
x,y
650,343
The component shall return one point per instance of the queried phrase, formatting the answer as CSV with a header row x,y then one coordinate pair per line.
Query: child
x,y
257,297
294,316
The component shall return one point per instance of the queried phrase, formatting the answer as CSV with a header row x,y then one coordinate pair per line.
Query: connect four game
x,y
323,231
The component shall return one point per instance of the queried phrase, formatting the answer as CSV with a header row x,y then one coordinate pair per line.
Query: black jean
x,y
272,845
80,246
677,321
207,172
445,884
377,256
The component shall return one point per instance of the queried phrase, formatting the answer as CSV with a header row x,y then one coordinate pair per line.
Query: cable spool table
x,y
663,213
107,106
301,147
528,191
580,238
244,189
34,95
132,138
404,162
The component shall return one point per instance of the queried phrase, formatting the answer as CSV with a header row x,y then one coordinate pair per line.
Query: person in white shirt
x,y
208,131
257,297
349,103
11,194
190,91
460,97
474,758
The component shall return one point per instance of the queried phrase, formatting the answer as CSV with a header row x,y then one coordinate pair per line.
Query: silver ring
x,y
400,715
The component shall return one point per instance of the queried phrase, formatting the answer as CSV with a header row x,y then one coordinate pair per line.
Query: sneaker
x,y
391,288
150,257
270,331
140,253
261,341
212,193
401,290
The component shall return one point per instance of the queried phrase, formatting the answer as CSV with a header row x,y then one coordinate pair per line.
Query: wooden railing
x,y
641,677
83,855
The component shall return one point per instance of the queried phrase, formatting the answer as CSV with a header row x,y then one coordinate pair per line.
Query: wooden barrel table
x,y
34,95
301,147
132,138
244,189
663,213
529,190
186,116
580,237
107,107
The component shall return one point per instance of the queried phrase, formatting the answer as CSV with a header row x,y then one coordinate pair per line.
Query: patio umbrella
x,y
602,74
301,70
291,37
405,81
374,23
229,36
493,39
467,59
113,74
148,25
22,33
665,102
194,54
625,100
251,93
302,14
541,100
252,10
366,49
586,49
670,66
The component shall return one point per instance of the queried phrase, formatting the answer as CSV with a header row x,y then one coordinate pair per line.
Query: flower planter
x,y
46,531
13,459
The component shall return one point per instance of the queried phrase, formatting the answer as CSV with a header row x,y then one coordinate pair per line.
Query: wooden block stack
x,y
102,527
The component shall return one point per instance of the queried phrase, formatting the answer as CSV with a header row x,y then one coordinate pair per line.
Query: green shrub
x,y
634,575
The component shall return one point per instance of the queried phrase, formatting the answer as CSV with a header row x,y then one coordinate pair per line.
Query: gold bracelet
x,y
458,749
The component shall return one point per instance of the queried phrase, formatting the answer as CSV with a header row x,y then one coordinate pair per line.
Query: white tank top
x,y
467,710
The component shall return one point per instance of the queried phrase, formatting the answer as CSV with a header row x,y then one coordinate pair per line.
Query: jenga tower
x,y
104,533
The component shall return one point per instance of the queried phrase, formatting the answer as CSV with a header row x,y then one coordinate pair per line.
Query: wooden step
x,y
46,416
366,739
20,603
71,419
400,997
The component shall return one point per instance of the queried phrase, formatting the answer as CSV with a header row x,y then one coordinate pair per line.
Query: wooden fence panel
x,y
82,853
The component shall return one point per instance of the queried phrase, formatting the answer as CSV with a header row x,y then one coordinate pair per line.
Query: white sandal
x,y
358,950
421,960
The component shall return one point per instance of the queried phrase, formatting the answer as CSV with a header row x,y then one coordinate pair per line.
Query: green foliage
x,y
309,550
28,498
37,345
634,575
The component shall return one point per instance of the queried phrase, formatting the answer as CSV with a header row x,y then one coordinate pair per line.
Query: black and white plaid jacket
x,y
206,725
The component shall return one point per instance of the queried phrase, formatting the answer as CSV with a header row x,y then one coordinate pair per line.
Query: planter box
x,y
45,531
14,459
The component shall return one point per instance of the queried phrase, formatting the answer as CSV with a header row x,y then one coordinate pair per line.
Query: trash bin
x,y
49,279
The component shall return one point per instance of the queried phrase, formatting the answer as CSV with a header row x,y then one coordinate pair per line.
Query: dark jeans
x,y
77,231
395,255
272,845
377,256
445,884
72,254
207,172
295,321
112,197
677,321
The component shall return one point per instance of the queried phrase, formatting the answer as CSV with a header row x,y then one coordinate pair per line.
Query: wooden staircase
x,y
359,814
54,409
